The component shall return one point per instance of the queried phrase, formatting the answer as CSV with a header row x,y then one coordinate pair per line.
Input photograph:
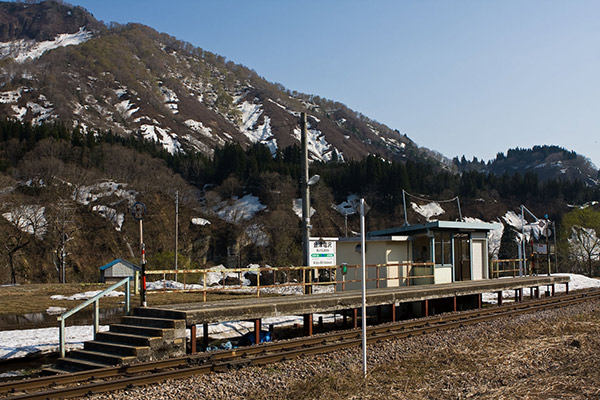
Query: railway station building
x,y
434,252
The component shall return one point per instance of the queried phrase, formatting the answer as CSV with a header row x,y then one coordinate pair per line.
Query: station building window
x,y
443,248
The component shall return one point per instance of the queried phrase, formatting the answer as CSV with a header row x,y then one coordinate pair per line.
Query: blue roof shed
x,y
117,270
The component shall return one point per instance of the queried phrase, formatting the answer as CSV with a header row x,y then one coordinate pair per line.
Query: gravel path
x,y
549,354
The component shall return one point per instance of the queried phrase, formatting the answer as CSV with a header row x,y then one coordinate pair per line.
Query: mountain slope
x,y
547,162
135,81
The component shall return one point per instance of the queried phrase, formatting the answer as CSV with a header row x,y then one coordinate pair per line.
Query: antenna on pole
x,y
404,203
459,211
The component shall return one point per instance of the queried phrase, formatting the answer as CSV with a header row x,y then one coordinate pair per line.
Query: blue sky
x,y
468,77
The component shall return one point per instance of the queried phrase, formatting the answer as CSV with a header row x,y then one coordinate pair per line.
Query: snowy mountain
x,y
59,63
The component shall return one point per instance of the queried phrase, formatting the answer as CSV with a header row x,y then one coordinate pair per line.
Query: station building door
x,y
462,257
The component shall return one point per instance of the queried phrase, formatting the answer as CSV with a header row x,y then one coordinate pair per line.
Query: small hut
x,y
116,270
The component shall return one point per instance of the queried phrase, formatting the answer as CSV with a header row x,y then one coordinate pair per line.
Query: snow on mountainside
x,y
22,50
133,80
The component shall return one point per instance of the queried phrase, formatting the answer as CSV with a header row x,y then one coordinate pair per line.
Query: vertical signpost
x,y
138,210
363,211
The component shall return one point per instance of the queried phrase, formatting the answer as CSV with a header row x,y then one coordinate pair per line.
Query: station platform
x,y
254,309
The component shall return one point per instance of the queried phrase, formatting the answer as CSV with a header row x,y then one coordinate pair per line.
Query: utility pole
x,y
138,210
305,206
176,228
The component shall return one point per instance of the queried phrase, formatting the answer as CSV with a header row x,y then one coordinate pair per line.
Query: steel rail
x,y
218,361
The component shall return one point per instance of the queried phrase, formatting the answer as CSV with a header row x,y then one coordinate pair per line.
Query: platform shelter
x,y
434,252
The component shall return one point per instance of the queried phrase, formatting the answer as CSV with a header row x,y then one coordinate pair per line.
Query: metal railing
x,y
506,267
96,300
405,274
282,277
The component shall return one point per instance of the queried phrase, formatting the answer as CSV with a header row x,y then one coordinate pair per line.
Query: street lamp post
x,y
306,184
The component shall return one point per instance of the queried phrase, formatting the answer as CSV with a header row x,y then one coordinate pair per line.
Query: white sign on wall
x,y
540,248
322,253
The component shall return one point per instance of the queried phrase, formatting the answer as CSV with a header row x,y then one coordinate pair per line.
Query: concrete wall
x,y
443,274
377,252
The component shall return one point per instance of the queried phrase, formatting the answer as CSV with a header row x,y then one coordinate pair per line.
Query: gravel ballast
x,y
551,354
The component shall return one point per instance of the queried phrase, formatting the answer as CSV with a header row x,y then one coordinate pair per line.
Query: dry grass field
x,y
33,298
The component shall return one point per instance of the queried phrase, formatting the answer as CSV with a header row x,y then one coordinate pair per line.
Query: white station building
x,y
434,252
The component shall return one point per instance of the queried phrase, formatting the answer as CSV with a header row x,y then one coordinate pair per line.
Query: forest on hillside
x,y
42,164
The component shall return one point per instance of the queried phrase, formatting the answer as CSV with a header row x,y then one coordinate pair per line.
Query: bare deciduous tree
x,y
28,222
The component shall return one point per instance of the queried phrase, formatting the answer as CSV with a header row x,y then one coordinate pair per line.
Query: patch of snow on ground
x,y
12,96
20,343
19,112
262,133
125,108
22,50
112,215
170,98
41,113
55,310
88,194
213,278
428,211
201,147
585,205
297,208
318,145
197,126
277,104
257,236
240,210
577,282
157,134
86,295
200,221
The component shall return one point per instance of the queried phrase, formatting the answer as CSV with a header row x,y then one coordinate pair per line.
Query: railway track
x,y
124,376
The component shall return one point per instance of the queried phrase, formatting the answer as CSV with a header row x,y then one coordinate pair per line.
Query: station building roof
x,y
121,261
456,226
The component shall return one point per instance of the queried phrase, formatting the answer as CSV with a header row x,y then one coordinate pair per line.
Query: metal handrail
x,y
96,300
498,263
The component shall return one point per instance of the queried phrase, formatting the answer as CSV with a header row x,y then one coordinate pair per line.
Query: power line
x,y
404,193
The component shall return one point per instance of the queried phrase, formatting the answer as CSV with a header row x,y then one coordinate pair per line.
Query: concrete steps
x,y
139,337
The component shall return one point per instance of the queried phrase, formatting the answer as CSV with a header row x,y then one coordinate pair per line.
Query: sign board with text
x,y
322,253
